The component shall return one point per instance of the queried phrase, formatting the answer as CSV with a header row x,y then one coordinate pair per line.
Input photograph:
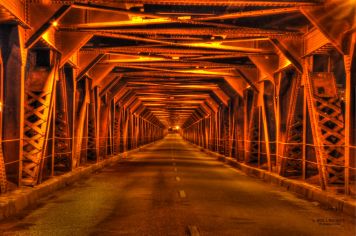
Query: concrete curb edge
x,y
308,191
13,202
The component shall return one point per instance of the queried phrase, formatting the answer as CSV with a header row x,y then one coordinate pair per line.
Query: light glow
x,y
136,19
46,37
184,17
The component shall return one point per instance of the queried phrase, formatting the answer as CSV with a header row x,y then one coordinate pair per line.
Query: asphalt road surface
x,y
170,188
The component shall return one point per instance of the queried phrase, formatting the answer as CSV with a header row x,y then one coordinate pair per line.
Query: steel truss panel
x,y
38,113
328,128
291,150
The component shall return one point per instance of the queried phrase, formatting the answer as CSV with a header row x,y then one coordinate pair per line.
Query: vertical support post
x,y
3,179
97,120
246,127
79,124
14,57
304,149
347,63
53,131
266,135
277,108
259,138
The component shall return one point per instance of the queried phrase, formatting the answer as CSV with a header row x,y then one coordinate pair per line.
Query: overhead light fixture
x,y
216,44
55,23
136,19
184,17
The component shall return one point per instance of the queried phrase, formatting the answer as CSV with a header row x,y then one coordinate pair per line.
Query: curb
x,y
15,201
339,203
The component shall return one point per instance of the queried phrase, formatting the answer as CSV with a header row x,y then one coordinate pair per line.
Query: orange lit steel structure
x,y
271,83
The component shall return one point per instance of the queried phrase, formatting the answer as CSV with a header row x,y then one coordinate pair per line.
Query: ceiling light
x,y
184,17
136,19
216,44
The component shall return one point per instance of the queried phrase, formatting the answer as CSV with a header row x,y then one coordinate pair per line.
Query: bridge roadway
x,y
170,188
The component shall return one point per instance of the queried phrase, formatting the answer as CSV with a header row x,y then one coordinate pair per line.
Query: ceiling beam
x,y
89,66
193,31
256,13
262,3
48,24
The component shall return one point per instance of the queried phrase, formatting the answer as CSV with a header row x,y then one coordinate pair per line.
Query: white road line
x,y
175,169
178,179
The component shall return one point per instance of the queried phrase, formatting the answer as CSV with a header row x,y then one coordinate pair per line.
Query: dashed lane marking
x,y
182,194
175,169
193,230
178,179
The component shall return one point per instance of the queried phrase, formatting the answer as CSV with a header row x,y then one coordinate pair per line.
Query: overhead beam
x,y
206,44
246,79
261,3
17,9
111,9
197,31
156,17
48,24
110,85
244,14
71,43
333,19
266,64
295,61
89,66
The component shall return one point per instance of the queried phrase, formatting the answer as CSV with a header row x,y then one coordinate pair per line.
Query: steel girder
x,y
205,2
